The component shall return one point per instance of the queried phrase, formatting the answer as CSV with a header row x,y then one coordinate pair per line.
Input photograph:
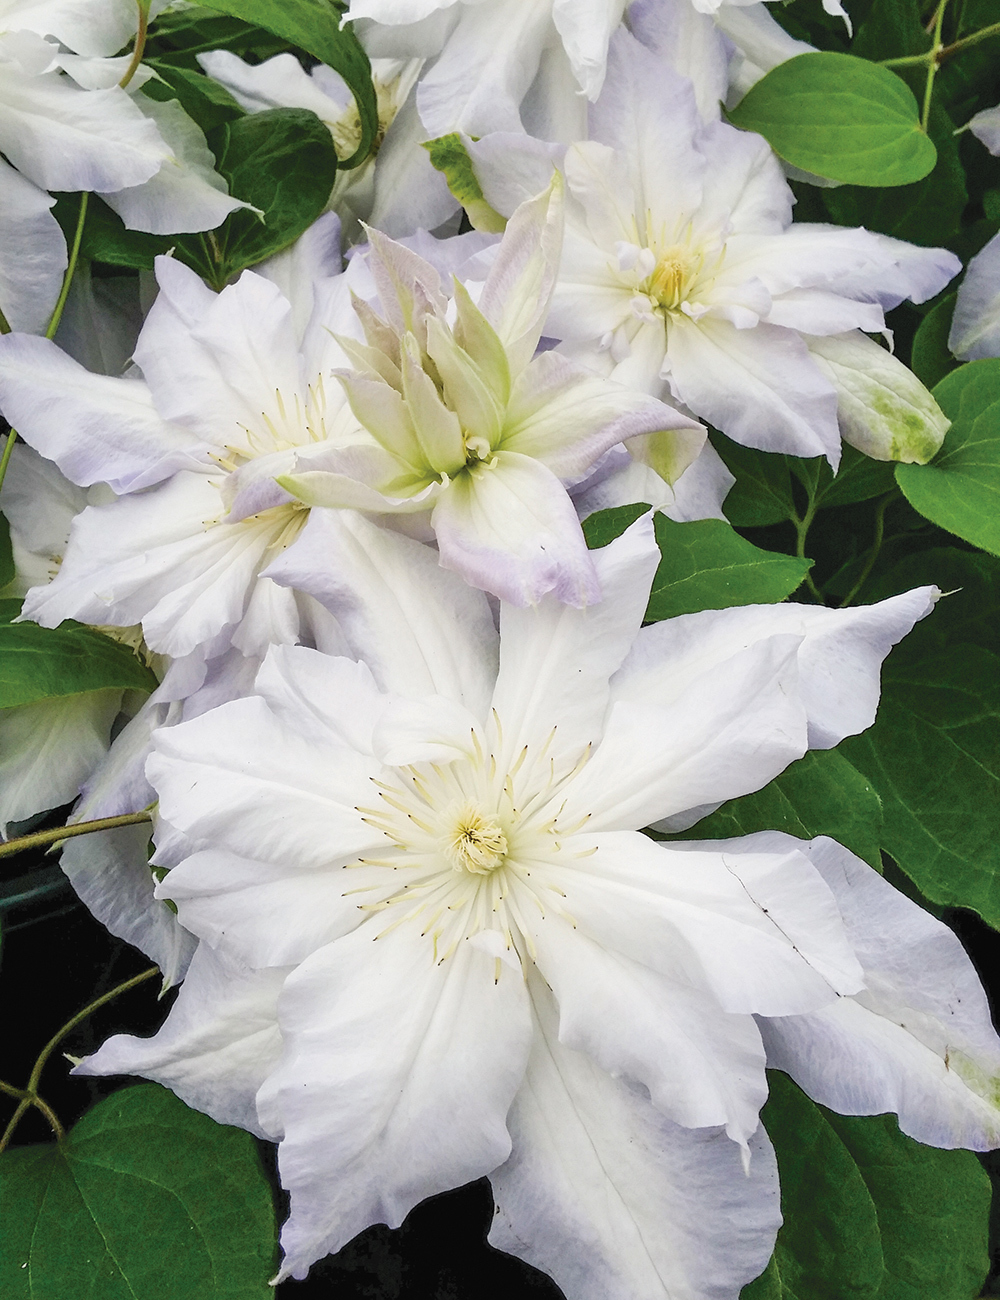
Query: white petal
x,y
701,1065
39,504
985,126
409,193
509,528
839,660
395,1081
614,1201
420,630
65,138
101,320
690,41
585,29
32,253
187,193
741,726
975,327
110,872
555,661
757,385
97,429
92,27
918,1040
487,64
278,82
239,778
750,926
217,1045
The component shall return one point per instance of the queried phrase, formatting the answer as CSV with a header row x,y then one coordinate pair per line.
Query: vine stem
x,y
944,52
933,65
802,527
140,44
74,255
875,548
5,458
39,839
29,1095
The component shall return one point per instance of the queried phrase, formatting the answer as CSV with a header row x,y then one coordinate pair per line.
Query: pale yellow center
x,y
674,271
476,842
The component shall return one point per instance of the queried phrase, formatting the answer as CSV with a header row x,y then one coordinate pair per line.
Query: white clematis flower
x,y
434,946
681,268
397,188
466,427
232,391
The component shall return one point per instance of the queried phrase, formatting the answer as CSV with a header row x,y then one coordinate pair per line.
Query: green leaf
x,y
603,526
105,238
313,26
707,565
40,663
10,607
927,212
840,117
449,156
932,753
869,1213
930,359
206,101
762,493
281,161
143,1200
6,553
821,794
960,489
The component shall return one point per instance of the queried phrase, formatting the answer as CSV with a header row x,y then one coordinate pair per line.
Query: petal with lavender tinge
x,y
110,872
217,1045
975,327
918,1040
883,408
728,735
421,630
515,298
508,527
565,418
32,253
616,1202
394,1084
556,660
758,386
839,660
97,429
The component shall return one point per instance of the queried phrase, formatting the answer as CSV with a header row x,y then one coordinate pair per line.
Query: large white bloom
x,y
232,390
681,268
434,946
975,326
396,189
467,428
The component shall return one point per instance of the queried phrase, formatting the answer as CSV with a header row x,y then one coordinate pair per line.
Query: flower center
x,y
476,842
675,269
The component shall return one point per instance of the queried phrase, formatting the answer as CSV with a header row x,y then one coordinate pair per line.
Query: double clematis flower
x,y
471,435
683,273
434,945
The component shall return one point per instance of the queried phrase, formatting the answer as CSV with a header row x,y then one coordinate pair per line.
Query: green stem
x,y
29,1096
4,324
140,45
941,53
802,527
5,458
74,255
40,839
875,548
933,65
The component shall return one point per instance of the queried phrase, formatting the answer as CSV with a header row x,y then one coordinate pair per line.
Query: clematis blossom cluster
x,y
434,945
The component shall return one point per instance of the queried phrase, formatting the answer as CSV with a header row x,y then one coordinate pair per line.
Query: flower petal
x,y
420,630
615,1201
556,661
217,1045
97,429
395,1081
32,253
508,527
918,1040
